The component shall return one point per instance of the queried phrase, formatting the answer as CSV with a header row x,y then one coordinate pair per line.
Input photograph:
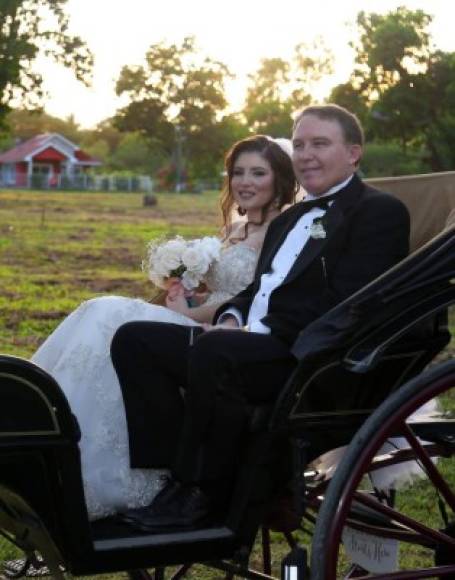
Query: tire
x,y
435,541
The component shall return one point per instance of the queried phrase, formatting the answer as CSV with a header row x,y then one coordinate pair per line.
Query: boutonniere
x,y
317,230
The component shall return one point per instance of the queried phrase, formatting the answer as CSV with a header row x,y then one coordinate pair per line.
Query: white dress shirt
x,y
281,265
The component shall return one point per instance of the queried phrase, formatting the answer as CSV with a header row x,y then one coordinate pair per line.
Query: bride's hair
x,y
277,153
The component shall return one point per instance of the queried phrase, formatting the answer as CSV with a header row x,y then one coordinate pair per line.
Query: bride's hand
x,y
177,302
175,288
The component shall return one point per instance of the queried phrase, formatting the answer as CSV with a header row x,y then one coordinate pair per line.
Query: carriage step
x,y
155,540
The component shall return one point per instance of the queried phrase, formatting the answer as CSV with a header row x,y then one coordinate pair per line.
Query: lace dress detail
x,y
232,273
77,355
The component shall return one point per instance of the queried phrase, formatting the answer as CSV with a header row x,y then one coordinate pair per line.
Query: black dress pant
x,y
188,393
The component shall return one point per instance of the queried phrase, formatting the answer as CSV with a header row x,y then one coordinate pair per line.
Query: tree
x,y
401,86
268,109
133,154
388,159
390,48
346,95
29,28
175,98
278,88
25,124
103,132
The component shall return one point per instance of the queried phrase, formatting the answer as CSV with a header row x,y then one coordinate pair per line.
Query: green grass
x,y
58,249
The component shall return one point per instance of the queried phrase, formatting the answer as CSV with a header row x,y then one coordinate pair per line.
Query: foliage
x,y
401,87
176,127
176,100
391,47
29,28
133,153
279,87
98,149
351,98
25,124
388,159
104,131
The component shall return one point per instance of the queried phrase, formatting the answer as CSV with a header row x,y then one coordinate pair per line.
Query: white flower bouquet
x,y
181,260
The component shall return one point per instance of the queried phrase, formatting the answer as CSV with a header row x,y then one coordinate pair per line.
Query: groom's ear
x,y
355,153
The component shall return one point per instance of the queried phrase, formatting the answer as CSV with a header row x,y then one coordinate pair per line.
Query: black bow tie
x,y
321,202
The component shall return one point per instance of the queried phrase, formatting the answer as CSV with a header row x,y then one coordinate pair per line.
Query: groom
x,y
315,254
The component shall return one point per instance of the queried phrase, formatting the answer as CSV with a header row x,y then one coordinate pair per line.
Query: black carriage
x,y
358,383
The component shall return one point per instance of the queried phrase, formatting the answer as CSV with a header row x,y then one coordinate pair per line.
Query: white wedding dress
x,y
77,355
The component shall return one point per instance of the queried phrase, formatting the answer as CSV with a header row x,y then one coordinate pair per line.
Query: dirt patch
x,y
81,235
30,342
12,319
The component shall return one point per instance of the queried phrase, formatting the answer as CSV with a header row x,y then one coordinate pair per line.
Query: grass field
x,y
58,249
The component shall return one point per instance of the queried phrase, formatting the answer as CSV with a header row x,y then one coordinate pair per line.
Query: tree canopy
x,y
178,95
401,87
29,28
177,120
279,87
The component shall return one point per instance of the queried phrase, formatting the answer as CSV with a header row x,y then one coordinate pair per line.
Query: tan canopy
x,y
430,198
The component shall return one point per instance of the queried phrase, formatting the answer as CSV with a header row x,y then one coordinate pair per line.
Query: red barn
x,y
44,159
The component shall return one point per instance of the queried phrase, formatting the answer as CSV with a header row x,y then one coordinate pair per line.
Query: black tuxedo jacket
x,y
367,232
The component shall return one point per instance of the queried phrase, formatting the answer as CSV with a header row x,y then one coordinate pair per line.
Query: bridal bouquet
x,y
185,260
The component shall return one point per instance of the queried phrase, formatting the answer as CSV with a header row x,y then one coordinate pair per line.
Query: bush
x,y
389,159
38,181
121,183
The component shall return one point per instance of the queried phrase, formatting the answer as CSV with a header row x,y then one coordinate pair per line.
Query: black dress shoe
x,y
171,487
189,508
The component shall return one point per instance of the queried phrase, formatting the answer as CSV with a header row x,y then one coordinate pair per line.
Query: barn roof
x,y
29,149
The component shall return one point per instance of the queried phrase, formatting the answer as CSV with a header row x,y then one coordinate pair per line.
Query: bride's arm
x,y
202,313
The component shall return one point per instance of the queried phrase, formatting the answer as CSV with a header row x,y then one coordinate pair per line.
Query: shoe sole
x,y
165,529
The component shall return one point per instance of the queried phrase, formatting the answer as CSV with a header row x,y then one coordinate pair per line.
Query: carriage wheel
x,y
406,532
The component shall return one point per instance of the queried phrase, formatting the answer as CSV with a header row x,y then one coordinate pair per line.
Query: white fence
x,y
83,182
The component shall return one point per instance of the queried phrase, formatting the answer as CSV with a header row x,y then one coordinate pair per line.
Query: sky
x,y
239,33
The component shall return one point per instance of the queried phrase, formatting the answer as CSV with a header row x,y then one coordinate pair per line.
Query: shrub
x,y
389,159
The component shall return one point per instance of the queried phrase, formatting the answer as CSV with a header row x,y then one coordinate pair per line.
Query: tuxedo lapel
x,y
314,247
331,222
268,255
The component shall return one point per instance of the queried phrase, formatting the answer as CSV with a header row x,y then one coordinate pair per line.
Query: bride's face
x,y
252,181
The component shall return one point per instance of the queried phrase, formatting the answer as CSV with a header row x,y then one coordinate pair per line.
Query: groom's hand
x,y
229,323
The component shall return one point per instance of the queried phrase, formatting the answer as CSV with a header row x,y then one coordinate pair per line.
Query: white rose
x,y
170,254
190,280
196,260
159,265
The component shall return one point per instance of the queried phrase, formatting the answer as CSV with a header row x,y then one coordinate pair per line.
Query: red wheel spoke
x,y
400,534
372,503
432,471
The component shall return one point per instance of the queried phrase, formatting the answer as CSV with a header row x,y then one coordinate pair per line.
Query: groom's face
x,y
322,158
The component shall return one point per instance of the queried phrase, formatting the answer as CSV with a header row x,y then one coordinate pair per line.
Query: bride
x,y
259,182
